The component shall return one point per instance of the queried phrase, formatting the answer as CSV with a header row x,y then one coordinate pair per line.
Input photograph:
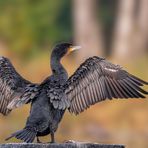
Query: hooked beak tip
x,y
73,48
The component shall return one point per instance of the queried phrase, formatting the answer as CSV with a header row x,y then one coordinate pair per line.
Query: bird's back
x,y
43,114
40,112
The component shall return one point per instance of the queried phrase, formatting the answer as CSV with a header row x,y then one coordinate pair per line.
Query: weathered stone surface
x,y
63,145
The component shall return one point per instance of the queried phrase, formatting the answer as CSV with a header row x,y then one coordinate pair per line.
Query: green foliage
x,y
29,26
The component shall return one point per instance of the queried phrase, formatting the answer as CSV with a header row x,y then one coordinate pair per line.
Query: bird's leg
x,y
38,140
52,138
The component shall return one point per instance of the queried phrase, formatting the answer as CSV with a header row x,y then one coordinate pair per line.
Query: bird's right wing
x,y
14,90
97,80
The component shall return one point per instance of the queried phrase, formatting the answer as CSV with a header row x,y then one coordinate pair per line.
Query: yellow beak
x,y
73,48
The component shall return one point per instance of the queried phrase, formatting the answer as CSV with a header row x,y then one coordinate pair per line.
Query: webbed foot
x,y
69,141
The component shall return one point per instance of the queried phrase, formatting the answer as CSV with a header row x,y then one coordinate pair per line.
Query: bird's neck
x,y
57,68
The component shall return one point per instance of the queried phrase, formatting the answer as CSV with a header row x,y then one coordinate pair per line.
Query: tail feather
x,y
27,135
32,138
22,135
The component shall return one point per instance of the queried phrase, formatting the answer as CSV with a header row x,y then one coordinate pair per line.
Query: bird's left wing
x,y
14,89
97,80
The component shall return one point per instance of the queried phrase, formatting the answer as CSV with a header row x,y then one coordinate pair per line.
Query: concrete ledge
x,y
63,145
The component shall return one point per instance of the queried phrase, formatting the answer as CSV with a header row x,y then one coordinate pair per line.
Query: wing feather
x,y
14,90
97,80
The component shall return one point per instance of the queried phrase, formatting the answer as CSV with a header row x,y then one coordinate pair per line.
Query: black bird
x,y
95,80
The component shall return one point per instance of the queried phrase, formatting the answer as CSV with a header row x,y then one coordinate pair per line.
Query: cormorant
x,y
95,80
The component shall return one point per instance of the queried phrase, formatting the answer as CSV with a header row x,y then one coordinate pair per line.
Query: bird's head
x,y
63,49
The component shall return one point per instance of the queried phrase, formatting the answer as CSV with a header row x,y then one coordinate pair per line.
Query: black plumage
x,y
95,80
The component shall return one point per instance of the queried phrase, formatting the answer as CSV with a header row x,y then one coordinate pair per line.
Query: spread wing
x,y
14,90
97,80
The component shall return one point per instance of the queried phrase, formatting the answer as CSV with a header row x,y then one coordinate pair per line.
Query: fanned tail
x,y
27,135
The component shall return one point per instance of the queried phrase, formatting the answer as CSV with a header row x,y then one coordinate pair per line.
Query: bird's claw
x,y
69,141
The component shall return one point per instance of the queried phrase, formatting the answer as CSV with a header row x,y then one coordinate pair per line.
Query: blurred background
x,y
116,30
